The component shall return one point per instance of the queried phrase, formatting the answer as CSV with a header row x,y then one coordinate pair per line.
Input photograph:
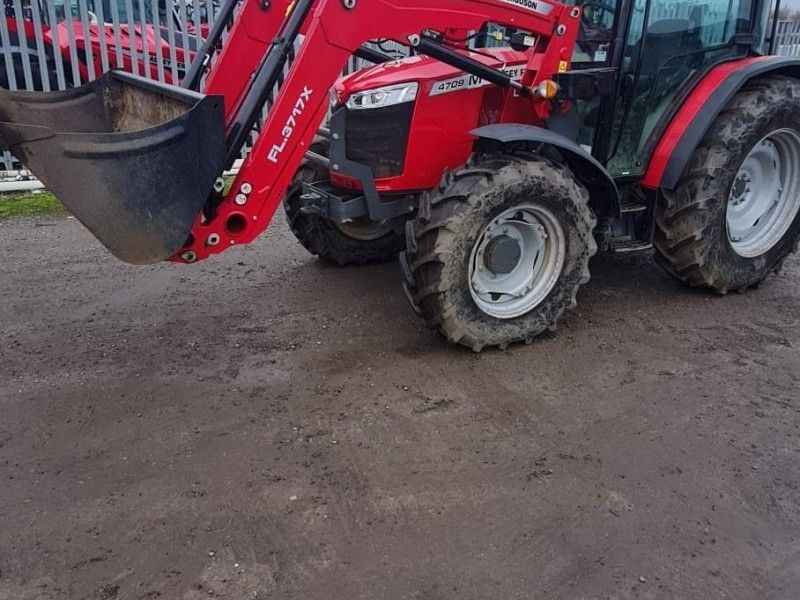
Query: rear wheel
x,y
357,241
734,216
497,253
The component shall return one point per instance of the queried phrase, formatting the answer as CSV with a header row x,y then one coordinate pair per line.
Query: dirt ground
x,y
261,426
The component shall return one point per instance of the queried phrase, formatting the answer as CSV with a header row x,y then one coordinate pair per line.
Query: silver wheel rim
x,y
516,261
765,195
365,230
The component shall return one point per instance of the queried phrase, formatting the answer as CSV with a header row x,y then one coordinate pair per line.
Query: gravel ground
x,y
261,426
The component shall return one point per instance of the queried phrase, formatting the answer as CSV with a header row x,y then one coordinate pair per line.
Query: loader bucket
x,y
132,159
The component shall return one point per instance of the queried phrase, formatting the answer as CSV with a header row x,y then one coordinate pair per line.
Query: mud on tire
x,y
450,218
323,238
691,237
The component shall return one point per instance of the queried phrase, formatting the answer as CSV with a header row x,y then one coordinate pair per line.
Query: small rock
x,y
642,579
292,498
211,553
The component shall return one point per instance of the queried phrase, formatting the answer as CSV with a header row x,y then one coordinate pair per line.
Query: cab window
x,y
595,35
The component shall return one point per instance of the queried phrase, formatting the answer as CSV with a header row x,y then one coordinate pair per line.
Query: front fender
x,y
603,192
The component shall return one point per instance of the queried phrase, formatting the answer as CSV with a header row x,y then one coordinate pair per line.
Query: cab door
x,y
669,45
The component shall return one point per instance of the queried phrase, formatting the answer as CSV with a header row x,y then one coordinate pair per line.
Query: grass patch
x,y
28,203
44,203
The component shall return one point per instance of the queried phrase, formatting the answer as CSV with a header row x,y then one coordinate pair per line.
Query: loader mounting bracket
x,y
327,200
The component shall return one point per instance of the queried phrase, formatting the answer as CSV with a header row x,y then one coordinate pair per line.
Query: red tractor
x,y
522,136
74,43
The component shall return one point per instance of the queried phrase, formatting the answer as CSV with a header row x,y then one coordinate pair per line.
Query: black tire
x,y
691,236
449,221
323,238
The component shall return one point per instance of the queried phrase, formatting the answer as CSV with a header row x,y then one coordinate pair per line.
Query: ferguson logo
x,y
291,123
533,5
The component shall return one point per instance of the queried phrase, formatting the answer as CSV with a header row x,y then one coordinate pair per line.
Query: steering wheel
x,y
592,33
588,20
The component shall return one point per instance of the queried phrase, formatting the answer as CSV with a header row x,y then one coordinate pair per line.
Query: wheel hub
x,y
516,261
765,195
741,187
502,255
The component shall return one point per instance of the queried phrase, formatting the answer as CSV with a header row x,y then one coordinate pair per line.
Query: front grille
x,y
378,138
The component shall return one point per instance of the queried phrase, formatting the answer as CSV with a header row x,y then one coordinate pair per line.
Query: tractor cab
x,y
641,56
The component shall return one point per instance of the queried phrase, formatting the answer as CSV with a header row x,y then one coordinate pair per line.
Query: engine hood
x,y
422,69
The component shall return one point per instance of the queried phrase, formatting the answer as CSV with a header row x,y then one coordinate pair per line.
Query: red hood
x,y
421,69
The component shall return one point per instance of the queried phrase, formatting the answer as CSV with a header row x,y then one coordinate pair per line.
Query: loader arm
x,y
251,34
139,162
334,34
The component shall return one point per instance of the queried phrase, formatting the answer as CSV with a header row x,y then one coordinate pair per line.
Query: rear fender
x,y
603,193
699,110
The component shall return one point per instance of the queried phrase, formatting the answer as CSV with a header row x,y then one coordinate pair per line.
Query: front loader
x,y
522,136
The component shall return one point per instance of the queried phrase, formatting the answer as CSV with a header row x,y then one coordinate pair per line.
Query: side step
x,y
638,231
629,245
629,208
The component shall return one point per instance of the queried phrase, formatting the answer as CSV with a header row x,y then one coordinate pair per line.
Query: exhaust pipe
x,y
133,159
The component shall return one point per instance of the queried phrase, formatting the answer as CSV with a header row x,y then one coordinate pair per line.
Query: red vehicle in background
x,y
53,44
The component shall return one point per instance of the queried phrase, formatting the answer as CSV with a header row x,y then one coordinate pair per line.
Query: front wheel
x,y
734,216
497,253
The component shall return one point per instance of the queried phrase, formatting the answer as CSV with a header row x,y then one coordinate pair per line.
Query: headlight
x,y
383,97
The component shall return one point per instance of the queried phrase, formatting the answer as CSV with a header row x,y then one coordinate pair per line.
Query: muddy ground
x,y
261,426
